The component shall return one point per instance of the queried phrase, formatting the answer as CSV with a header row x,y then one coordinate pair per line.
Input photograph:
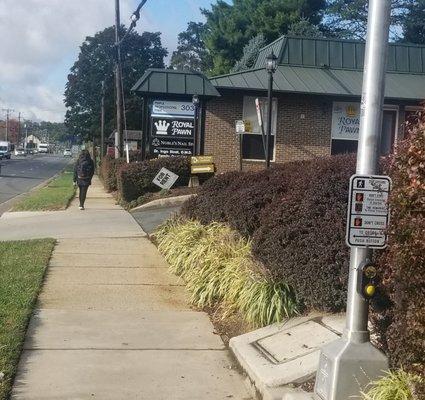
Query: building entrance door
x,y
389,126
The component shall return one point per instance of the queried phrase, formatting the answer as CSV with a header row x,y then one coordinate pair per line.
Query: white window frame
x,y
250,118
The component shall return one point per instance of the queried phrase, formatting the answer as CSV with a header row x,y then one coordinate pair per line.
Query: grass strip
x,y
22,267
217,265
55,196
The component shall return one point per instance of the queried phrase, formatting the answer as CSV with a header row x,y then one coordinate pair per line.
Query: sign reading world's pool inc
x,y
345,120
172,130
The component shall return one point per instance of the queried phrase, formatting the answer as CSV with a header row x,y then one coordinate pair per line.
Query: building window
x,y
252,140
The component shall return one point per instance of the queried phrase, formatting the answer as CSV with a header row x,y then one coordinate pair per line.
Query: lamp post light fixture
x,y
271,67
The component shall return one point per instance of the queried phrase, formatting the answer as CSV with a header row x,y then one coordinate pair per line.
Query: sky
x,y
41,39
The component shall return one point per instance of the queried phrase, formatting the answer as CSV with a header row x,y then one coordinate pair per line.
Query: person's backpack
x,y
84,169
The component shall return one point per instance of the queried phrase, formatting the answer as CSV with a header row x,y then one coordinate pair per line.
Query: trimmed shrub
x,y
135,179
217,266
400,321
239,199
108,171
296,217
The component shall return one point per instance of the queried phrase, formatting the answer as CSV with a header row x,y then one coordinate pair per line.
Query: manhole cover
x,y
296,341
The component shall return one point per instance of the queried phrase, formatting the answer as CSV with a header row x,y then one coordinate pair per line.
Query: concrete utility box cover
x,y
296,341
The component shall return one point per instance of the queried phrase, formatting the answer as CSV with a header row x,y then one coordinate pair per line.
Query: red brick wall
x,y
303,130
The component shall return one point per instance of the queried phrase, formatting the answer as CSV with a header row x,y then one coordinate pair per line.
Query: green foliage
x,y
400,321
55,196
135,179
191,53
305,28
109,167
229,27
217,266
414,23
250,53
22,267
396,385
95,64
47,131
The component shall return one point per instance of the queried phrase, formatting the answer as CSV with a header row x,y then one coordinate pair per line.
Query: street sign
x,y
368,212
201,160
165,179
203,169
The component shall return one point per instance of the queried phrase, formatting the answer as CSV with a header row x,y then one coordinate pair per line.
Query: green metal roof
x,y
172,82
325,81
343,54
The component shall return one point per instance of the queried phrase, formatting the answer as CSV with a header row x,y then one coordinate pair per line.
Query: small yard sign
x,y
368,212
165,179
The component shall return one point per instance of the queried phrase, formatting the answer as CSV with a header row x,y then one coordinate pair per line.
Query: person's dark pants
x,y
83,194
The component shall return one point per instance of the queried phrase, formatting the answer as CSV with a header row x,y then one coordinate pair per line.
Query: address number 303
x,y
185,107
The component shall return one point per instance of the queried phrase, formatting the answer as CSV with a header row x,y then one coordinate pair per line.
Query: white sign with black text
x,y
368,212
173,108
165,179
345,120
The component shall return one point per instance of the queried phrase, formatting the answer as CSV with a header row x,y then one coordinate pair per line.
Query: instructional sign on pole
x,y
165,179
368,212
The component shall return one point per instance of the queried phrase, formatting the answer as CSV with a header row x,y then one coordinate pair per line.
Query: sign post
x,y
348,365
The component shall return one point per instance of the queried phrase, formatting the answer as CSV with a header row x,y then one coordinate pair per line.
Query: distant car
x,y
67,153
20,152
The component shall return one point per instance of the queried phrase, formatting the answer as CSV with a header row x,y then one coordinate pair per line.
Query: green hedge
x,y
109,170
399,318
135,179
295,215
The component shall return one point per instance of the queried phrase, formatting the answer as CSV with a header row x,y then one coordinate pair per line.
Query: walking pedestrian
x,y
83,174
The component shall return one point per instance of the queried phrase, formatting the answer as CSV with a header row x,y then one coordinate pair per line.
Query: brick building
x,y
316,103
317,91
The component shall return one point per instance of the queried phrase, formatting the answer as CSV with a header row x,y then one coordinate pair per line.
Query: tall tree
x,y
250,53
414,23
229,27
348,18
191,53
95,63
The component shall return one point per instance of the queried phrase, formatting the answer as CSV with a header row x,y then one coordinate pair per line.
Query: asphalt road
x,y
20,174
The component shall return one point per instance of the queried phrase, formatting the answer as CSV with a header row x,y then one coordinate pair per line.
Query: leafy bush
x,y
400,321
397,385
108,171
217,266
135,179
295,215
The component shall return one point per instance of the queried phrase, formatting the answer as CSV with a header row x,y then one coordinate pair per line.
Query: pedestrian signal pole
x,y
348,365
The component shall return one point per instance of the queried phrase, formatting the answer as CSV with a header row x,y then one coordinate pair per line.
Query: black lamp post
x,y
271,66
196,102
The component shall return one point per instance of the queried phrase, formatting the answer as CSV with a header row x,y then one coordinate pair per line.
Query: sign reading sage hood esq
x,y
172,128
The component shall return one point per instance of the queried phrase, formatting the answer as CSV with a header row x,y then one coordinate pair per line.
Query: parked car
x,y
67,153
20,152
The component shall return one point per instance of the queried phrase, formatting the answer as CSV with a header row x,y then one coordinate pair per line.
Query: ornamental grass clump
x,y
217,266
396,385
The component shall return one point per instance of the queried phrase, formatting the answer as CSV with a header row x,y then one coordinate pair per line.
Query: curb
x,y
166,202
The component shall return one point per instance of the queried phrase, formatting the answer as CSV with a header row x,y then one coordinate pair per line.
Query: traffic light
x,y
367,282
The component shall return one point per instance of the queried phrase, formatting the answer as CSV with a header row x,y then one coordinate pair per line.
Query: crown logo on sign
x,y
351,111
162,127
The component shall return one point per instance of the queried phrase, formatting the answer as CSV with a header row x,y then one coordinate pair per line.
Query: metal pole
x,y
19,129
118,87
102,123
348,365
369,143
269,119
7,126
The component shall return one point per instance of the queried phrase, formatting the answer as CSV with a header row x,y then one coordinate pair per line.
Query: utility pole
x,y
347,365
102,122
19,129
8,111
118,85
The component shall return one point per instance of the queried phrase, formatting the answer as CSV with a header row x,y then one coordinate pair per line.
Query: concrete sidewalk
x,y
111,322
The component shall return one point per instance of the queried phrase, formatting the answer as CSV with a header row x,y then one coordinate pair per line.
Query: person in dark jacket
x,y
83,174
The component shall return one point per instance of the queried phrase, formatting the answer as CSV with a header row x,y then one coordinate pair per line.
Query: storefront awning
x,y
323,81
171,82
